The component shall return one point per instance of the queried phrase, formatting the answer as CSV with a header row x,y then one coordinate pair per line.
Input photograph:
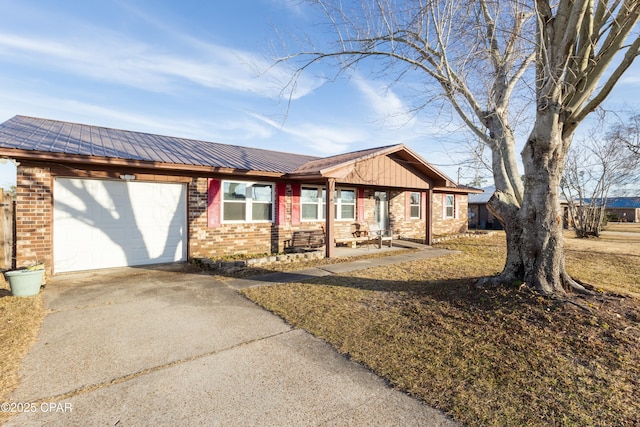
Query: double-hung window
x,y
313,202
449,206
247,201
414,205
345,208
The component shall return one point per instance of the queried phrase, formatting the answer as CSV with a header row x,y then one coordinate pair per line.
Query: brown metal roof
x,y
327,166
323,164
21,136
52,136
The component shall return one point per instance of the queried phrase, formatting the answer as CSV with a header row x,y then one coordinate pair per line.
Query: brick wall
x,y
443,226
34,208
225,239
232,239
34,218
409,229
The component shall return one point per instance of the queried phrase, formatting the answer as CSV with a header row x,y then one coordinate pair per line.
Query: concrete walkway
x,y
169,345
421,252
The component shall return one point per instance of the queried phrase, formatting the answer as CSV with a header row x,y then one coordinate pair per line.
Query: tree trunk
x,y
540,217
535,244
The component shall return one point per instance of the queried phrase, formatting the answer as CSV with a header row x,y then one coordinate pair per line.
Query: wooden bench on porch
x,y
304,240
359,234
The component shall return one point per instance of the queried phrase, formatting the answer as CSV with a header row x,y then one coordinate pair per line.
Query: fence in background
x,y
7,209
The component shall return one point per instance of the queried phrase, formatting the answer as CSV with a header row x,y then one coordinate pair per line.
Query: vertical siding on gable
x,y
384,172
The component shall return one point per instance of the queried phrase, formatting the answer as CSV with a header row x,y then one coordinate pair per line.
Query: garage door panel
x,y
101,224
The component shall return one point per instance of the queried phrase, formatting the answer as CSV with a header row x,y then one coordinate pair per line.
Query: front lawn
x,y
20,319
486,357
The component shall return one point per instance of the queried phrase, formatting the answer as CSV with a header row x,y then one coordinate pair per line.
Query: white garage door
x,y
101,223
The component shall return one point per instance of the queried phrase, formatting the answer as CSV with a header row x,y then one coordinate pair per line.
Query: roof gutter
x,y
464,190
30,155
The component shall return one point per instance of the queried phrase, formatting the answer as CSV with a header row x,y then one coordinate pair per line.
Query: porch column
x,y
429,236
329,245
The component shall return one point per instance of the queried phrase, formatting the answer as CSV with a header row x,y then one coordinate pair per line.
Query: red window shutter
x,y
407,205
213,203
456,208
423,207
360,205
295,204
444,206
281,204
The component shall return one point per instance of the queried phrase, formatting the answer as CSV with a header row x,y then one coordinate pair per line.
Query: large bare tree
x,y
578,43
476,56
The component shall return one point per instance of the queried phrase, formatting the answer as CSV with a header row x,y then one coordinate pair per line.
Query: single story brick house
x,y
91,197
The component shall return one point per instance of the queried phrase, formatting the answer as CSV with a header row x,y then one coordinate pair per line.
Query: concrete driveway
x,y
170,345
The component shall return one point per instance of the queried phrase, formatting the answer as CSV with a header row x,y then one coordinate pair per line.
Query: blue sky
x,y
199,70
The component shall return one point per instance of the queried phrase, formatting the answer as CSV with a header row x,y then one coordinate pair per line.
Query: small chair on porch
x,y
359,234
360,231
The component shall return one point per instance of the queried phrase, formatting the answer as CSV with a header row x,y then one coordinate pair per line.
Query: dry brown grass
x,y
20,320
629,227
490,357
611,262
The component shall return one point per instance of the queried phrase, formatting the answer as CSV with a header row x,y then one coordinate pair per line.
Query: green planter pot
x,y
24,283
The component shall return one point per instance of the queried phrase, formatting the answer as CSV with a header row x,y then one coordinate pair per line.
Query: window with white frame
x,y
414,205
314,203
247,201
449,206
345,208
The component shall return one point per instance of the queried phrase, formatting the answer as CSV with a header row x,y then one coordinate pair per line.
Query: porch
x,y
372,248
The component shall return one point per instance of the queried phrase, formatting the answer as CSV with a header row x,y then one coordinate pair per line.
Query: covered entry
x,y
380,176
105,223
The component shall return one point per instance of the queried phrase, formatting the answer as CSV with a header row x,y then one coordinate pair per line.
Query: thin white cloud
x,y
388,106
234,128
295,7
83,112
107,56
321,139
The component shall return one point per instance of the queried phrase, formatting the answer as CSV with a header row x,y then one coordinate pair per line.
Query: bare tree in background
x,y
477,169
593,169
475,56
629,134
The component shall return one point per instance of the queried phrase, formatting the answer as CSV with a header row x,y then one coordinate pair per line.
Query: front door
x,y
382,210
